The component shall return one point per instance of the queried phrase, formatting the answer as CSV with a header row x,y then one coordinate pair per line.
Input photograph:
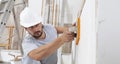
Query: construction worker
x,y
41,42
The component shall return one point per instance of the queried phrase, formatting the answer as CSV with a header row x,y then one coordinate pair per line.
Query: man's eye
x,y
31,27
36,25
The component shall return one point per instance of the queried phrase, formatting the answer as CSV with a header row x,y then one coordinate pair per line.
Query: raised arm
x,y
48,49
61,29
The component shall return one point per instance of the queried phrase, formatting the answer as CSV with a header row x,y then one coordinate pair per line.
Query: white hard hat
x,y
29,18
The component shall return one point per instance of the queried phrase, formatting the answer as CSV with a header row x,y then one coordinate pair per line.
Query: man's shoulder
x,y
48,26
28,38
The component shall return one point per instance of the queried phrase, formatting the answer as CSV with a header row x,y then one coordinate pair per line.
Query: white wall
x,y
109,32
87,45
86,50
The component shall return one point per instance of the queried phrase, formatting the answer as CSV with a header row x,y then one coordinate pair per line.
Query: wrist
x,y
61,40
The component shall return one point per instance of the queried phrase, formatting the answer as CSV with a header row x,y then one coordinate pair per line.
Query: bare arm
x,y
61,29
46,50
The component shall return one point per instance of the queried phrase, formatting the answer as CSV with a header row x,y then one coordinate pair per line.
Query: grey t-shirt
x,y
30,43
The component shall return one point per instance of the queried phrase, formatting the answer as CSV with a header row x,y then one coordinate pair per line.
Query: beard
x,y
37,34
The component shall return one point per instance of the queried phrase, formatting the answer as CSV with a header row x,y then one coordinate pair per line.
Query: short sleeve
x,y
28,46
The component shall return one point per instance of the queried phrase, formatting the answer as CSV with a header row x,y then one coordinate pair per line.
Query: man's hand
x,y
67,36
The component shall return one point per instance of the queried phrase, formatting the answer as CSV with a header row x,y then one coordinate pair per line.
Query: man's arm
x,y
61,29
48,49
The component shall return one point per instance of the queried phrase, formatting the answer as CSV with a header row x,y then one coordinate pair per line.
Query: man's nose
x,y
37,29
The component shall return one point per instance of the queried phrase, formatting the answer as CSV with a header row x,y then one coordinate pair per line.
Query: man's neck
x,y
43,36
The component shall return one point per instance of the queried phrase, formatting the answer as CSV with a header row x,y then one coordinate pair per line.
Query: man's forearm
x,y
61,29
46,50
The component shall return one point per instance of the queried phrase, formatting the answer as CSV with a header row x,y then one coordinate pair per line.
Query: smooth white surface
x,y
109,32
87,45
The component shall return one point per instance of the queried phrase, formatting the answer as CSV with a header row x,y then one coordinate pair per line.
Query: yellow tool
x,y
79,21
78,31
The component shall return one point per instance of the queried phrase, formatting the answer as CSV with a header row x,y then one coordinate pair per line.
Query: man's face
x,y
36,30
